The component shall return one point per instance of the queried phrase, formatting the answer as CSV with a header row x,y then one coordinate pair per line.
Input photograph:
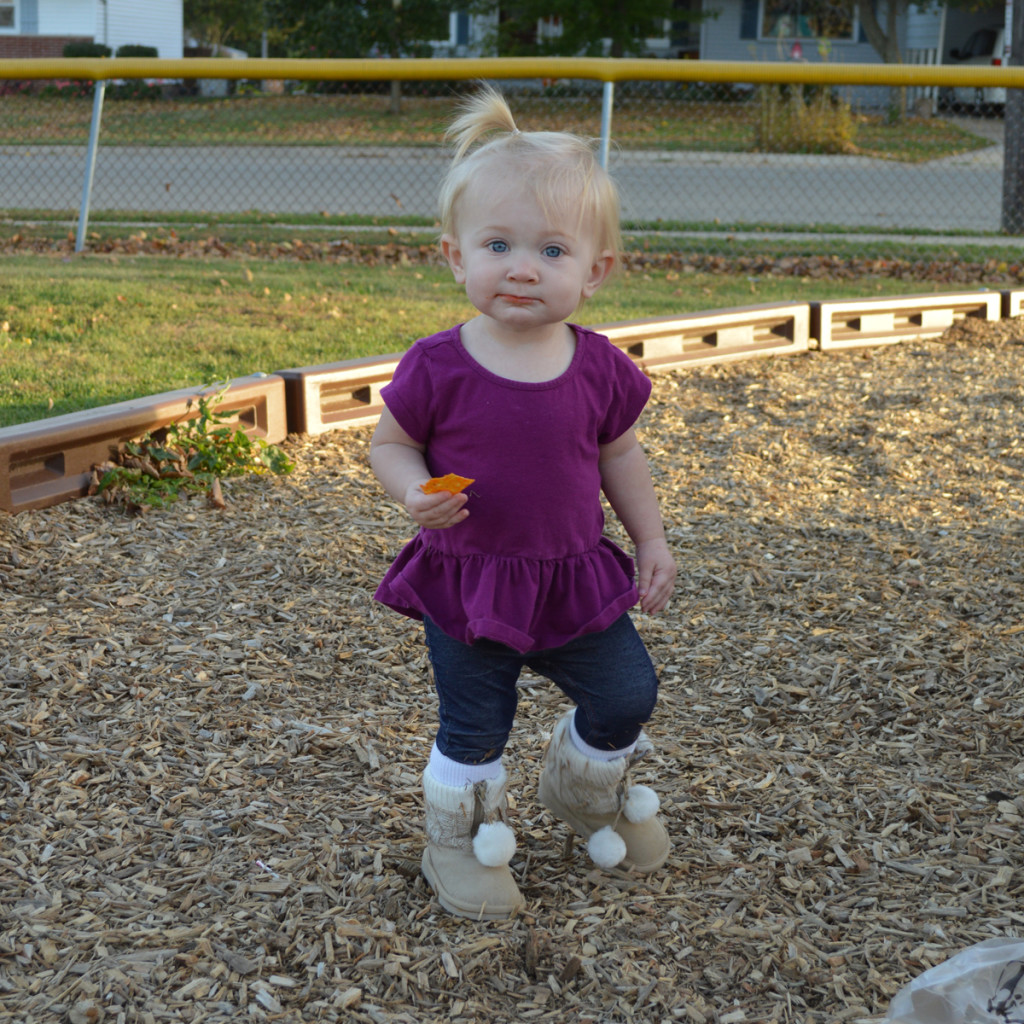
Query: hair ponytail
x,y
482,113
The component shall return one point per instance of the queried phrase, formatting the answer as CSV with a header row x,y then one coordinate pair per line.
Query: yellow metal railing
x,y
595,68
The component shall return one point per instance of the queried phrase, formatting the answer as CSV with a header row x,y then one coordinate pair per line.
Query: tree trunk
x,y
869,22
1013,135
396,96
897,95
885,42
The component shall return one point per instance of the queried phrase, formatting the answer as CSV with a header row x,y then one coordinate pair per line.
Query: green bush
x,y
86,49
189,457
791,121
137,50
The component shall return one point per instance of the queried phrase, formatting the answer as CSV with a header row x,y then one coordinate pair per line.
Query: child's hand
x,y
656,574
435,511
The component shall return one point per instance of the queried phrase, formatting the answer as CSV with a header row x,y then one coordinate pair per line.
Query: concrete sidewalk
x,y
991,128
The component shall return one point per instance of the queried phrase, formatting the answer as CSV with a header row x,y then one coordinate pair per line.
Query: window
x,y
6,14
807,19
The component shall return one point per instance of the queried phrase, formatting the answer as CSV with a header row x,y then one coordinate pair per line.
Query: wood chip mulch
x,y
211,738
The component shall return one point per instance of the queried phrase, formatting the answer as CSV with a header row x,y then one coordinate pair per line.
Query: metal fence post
x,y
90,163
607,99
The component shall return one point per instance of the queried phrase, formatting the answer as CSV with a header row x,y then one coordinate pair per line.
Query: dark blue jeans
x,y
608,676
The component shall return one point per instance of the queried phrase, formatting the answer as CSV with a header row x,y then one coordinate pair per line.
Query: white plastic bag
x,y
983,984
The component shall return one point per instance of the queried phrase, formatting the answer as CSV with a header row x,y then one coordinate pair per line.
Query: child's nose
x,y
523,267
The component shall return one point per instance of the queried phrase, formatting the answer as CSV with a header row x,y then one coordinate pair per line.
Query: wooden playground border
x,y
46,462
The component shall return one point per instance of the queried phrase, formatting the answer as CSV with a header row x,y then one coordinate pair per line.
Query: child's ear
x,y
453,254
599,272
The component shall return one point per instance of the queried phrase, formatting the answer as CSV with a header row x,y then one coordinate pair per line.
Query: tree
x,y
886,42
214,23
585,25
319,28
359,28
403,28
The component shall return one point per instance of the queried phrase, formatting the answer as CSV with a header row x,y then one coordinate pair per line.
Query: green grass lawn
x,y
77,332
668,122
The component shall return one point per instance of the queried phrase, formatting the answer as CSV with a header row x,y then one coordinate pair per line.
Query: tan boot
x,y
619,821
468,849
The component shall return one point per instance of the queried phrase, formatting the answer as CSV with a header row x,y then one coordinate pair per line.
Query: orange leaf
x,y
448,482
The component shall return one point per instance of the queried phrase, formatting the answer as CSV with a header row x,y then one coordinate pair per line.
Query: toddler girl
x,y
514,571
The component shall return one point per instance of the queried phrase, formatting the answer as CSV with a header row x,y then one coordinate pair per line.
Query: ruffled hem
x,y
526,604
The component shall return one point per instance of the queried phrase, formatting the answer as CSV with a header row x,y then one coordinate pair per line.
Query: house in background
x,y
829,30
773,30
42,28
760,31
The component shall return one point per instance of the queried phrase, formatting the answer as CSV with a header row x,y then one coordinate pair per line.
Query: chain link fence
x,y
708,159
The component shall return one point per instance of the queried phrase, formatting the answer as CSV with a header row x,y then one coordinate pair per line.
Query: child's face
x,y
522,266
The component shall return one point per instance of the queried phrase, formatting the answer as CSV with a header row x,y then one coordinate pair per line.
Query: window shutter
x,y
862,36
749,12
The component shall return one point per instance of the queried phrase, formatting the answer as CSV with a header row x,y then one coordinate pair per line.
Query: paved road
x,y
954,194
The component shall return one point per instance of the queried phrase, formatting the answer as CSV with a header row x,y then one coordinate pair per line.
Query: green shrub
x,y
86,49
791,121
191,456
137,50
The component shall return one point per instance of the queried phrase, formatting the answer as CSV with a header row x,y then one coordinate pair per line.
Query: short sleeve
x,y
630,390
409,395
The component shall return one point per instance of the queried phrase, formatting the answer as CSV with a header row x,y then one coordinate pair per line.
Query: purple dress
x,y
529,567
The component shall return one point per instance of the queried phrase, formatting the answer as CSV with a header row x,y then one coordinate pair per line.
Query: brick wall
x,y
37,46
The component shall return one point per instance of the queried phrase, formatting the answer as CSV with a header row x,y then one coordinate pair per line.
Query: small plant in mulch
x,y
189,457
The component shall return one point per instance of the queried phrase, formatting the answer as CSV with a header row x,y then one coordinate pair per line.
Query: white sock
x,y
594,752
453,773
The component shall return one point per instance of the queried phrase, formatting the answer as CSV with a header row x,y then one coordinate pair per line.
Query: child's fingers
x,y
438,511
656,590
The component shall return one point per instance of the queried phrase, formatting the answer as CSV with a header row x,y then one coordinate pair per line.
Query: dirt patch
x,y
211,737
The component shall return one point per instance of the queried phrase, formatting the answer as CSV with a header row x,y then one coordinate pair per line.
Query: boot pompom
x,y
641,805
494,844
606,847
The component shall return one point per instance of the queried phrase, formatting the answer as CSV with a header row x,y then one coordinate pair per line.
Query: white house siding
x,y
924,28
722,39
26,17
113,22
147,22
730,36
65,17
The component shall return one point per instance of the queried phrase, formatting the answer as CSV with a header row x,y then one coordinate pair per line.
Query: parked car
x,y
984,47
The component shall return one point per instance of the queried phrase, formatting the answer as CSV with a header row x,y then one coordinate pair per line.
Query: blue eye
x,y
498,246
552,251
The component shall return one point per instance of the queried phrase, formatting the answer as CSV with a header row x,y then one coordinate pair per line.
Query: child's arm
x,y
399,464
626,481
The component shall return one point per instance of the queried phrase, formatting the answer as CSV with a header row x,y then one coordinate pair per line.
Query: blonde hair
x,y
563,170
